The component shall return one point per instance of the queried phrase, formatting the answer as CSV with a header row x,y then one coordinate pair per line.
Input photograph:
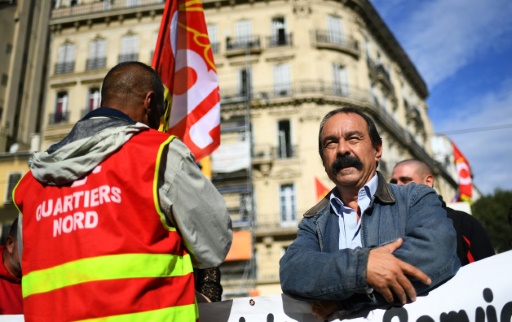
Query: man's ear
x,y
378,152
429,181
148,101
9,244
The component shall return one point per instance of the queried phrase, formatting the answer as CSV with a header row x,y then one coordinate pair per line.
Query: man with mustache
x,y
367,243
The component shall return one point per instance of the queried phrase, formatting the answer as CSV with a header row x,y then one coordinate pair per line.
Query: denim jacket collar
x,y
383,195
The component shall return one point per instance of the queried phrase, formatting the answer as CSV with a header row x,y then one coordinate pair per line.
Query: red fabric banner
x,y
184,60
464,172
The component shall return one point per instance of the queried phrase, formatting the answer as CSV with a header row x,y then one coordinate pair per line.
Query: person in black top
x,y
472,240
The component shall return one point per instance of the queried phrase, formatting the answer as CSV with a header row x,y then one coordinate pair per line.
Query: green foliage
x,y
492,212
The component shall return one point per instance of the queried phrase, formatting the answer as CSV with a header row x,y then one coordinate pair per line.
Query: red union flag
x,y
184,60
464,172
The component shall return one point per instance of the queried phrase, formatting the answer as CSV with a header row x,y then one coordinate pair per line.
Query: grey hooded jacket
x,y
190,201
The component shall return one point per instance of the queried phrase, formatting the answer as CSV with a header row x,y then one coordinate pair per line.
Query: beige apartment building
x,y
23,47
282,65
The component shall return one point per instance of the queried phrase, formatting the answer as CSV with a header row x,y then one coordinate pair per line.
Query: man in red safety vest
x,y
116,215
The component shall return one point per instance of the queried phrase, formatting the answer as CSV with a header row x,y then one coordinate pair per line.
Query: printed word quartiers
x,y
78,200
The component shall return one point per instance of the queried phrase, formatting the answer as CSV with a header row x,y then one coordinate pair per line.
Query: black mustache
x,y
345,161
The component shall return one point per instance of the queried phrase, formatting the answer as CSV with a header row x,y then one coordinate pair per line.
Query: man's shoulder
x,y
461,216
318,207
411,189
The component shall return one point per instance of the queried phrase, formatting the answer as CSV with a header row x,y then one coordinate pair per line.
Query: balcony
x,y
268,152
64,68
215,47
279,40
243,45
264,95
58,118
96,63
97,7
325,39
128,57
378,73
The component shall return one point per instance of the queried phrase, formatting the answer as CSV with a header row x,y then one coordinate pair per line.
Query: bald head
x,y
136,90
408,171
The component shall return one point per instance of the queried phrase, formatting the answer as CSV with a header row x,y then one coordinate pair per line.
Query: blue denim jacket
x,y
313,268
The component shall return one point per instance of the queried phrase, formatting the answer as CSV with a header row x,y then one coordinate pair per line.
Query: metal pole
x,y
248,139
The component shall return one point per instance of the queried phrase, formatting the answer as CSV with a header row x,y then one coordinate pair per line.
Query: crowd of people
x,y
117,220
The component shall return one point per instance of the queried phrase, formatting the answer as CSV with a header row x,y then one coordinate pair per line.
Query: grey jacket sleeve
x,y
194,206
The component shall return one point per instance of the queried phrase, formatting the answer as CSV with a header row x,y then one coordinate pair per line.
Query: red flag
x,y
321,190
464,172
184,60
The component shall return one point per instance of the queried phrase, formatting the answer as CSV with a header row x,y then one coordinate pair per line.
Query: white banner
x,y
480,292
230,157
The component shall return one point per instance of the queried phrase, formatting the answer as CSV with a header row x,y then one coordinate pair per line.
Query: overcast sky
x,y
463,50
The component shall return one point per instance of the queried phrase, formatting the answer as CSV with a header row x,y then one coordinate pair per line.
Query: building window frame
x,y
97,54
284,148
12,180
287,205
65,59
129,48
60,114
340,81
282,80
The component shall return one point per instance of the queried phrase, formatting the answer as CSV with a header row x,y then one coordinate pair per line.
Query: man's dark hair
x,y
372,129
131,79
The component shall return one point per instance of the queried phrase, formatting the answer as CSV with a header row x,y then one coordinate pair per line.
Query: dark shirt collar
x,y
108,112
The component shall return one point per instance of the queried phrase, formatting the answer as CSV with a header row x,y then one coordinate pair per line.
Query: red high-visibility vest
x,y
100,247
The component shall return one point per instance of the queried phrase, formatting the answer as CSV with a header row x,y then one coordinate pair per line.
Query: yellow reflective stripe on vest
x,y
106,268
176,313
155,183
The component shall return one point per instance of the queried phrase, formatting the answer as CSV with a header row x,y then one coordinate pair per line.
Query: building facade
x,y
23,47
282,65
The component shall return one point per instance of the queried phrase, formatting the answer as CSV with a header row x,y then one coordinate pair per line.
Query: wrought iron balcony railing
x,y
293,90
336,40
64,68
276,152
128,57
379,73
215,47
279,40
96,63
58,118
102,6
243,43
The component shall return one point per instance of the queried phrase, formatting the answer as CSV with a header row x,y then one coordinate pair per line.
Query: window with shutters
x,y
245,83
284,140
93,99
279,37
335,30
12,181
213,35
282,81
287,205
97,54
129,48
65,59
60,114
340,80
